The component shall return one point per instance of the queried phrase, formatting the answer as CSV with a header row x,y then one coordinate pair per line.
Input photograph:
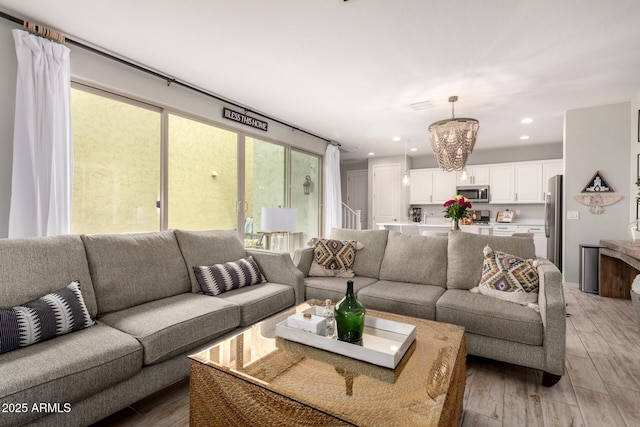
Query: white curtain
x,y
42,172
333,203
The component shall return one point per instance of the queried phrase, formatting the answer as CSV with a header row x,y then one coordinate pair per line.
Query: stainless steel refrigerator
x,y
553,220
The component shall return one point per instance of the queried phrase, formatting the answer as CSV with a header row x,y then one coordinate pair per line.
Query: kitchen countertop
x,y
441,223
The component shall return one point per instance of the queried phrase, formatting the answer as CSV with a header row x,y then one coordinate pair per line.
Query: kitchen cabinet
x,y
420,186
528,183
504,230
444,186
539,238
502,184
431,186
476,175
550,168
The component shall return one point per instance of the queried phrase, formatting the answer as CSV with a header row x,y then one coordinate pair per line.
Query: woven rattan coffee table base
x,y
295,385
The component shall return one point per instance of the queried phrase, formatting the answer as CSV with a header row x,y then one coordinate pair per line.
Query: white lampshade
x,y
278,220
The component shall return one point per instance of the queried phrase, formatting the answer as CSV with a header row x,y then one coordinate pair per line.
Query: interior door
x,y
357,194
386,193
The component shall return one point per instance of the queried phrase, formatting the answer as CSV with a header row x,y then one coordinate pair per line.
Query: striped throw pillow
x,y
219,278
57,313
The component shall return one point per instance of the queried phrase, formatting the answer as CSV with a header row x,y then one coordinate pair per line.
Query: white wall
x,y
596,139
95,69
479,156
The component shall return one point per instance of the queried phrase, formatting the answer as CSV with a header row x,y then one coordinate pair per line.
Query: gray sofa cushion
x,y
408,299
259,301
369,258
208,248
131,269
35,267
487,316
465,257
173,325
333,288
415,259
67,368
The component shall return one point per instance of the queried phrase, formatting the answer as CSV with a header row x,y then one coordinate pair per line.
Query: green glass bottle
x,y
350,317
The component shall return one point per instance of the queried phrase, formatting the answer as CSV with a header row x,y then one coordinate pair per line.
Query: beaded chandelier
x,y
452,140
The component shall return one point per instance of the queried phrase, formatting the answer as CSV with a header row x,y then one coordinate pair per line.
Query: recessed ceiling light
x,y
526,120
372,153
413,149
396,138
524,137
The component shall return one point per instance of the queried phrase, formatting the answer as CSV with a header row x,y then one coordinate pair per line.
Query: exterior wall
x,y
596,139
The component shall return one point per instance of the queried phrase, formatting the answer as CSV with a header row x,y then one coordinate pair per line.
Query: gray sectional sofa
x,y
430,277
149,315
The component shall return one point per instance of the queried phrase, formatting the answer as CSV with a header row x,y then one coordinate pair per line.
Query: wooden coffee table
x,y
254,378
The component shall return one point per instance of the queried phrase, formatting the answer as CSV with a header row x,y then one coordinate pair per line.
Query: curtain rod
x,y
172,80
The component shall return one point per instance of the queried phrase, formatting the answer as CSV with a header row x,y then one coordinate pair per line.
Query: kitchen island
x,y
441,225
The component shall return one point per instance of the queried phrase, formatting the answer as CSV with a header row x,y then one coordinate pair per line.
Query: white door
x,y
386,193
357,193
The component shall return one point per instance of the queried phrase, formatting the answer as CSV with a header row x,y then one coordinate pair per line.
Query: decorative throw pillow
x,y
334,258
219,278
57,313
509,278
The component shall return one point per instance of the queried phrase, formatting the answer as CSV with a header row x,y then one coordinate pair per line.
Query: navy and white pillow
x,y
219,278
54,314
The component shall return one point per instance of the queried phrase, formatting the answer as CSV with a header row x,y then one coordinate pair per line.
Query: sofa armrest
x,y
553,313
277,267
302,258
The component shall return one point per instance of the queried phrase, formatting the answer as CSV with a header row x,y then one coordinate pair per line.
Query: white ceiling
x,y
349,71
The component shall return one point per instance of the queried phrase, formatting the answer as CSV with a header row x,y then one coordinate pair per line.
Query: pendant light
x,y
405,176
452,140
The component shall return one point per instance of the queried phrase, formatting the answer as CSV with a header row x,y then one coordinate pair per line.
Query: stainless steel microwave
x,y
475,193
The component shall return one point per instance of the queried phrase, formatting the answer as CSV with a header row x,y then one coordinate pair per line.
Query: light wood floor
x,y
601,386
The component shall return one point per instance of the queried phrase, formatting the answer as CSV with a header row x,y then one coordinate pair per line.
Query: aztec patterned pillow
x,y
219,278
334,258
57,313
509,278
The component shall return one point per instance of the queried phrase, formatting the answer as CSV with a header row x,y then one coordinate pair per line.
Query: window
x,y
116,182
203,176
119,173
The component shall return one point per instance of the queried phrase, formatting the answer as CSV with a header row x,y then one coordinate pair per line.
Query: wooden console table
x,y
619,266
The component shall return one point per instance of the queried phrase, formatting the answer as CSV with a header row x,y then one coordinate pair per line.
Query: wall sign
x,y
244,119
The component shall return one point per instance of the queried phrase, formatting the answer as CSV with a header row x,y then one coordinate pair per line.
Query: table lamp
x,y
278,222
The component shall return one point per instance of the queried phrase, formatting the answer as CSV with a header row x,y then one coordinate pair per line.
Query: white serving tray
x,y
384,342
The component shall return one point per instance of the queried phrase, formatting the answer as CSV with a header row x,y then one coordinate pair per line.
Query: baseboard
x,y
571,285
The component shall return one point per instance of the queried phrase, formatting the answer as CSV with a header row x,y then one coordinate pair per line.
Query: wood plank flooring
x,y
601,387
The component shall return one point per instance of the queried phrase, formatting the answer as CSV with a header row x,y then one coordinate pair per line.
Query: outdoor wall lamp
x,y
308,185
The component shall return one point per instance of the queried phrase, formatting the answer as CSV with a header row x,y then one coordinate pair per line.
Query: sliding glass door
x,y
305,196
141,168
116,176
202,176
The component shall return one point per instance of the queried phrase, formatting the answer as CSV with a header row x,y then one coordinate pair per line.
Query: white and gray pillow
x,y
219,278
54,314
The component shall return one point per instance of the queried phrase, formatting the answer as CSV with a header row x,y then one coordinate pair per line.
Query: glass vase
x,y
350,317
455,225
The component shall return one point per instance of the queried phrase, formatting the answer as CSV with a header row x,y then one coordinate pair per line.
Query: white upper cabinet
x,y
420,186
501,188
528,183
510,183
550,168
444,186
431,186
476,175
